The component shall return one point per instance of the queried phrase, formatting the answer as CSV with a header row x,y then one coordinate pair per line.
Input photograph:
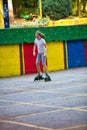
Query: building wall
x,y
65,47
76,54
86,50
9,60
55,56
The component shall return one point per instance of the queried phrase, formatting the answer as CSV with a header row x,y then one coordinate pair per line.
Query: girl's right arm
x,y
34,50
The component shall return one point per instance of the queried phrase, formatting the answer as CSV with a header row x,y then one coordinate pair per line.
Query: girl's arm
x,y
34,50
45,49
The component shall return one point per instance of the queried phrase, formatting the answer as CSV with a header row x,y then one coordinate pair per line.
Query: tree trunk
x,y
16,6
10,7
79,7
84,6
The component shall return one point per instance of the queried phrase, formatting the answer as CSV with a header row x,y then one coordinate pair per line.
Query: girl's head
x,y
39,35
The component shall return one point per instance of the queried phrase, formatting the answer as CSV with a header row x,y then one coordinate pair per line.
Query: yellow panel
x,y
55,56
9,60
75,21
1,15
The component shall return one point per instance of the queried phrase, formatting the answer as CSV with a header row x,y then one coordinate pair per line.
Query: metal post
x,y
40,3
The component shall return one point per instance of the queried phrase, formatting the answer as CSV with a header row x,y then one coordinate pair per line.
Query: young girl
x,y
40,43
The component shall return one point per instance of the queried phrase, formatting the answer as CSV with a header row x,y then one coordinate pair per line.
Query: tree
x,y
24,6
16,6
79,7
84,6
57,9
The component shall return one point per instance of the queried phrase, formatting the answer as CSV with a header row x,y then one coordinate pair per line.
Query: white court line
x,y
73,127
40,127
35,104
40,113
24,124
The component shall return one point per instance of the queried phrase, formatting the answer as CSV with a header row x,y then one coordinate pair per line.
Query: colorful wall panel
x,y
65,22
9,60
29,59
86,51
55,56
1,15
76,54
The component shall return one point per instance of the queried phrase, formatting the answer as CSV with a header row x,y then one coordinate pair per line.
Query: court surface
x,y
57,105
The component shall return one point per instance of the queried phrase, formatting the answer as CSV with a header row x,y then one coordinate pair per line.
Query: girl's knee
x,y
44,65
37,64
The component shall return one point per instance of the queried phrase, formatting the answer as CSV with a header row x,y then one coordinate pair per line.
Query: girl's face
x,y
38,36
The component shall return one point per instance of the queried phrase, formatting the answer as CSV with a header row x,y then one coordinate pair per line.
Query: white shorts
x,y
41,57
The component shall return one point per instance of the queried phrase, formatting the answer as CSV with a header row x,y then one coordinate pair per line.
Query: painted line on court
x,y
45,91
76,94
49,106
12,88
73,127
40,113
24,124
83,84
51,99
59,88
81,107
19,93
82,110
40,127
34,104
34,90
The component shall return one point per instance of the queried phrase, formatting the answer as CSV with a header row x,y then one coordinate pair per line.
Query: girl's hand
x,y
34,53
34,50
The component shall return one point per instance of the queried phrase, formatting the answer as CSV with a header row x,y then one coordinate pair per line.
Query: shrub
x,y
57,9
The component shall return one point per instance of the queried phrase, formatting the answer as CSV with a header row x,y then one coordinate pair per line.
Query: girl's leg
x,y
47,77
45,68
38,63
44,64
38,67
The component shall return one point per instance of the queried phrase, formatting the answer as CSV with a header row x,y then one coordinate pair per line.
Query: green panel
x,y
61,33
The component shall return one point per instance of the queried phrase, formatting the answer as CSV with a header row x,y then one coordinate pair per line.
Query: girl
x,y
40,43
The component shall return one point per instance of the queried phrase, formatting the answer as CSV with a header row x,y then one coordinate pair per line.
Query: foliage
x,y
27,17
22,7
57,9
83,5
39,23
42,22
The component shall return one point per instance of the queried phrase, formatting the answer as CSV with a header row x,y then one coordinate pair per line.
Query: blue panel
x,y
76,54
6,14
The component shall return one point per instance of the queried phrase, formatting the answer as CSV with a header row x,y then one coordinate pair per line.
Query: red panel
x,y
29,59
86,50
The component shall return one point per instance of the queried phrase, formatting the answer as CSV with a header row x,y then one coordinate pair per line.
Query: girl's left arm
x,y
45,49
34,50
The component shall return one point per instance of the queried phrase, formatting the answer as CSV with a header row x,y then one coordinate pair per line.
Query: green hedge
x,y
59,33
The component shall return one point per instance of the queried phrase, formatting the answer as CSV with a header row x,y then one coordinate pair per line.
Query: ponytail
x,y
40,34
